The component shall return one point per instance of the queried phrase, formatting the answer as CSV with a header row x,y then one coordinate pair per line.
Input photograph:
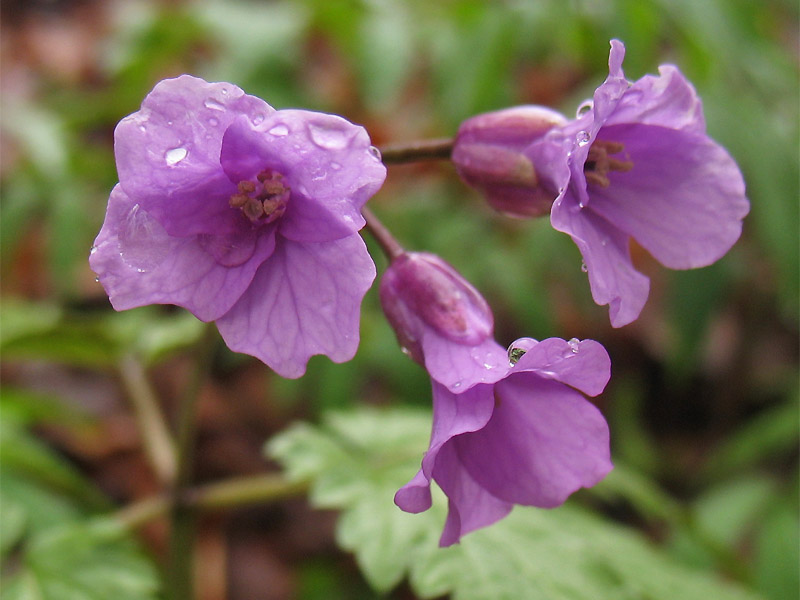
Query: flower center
x,y
599,162
264,200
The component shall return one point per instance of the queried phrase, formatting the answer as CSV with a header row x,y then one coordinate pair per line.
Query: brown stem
x,y
390,246
399,153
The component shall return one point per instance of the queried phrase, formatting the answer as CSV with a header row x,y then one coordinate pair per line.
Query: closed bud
x,y
495,153
422,294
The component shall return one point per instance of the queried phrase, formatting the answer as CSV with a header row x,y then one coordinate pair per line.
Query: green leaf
x,y
356,461
87,561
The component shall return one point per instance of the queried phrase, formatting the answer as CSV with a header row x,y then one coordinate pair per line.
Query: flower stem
x,y
436,149
238,491
180,577
156,438
390,246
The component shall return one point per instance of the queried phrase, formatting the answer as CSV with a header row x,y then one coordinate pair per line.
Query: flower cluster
x,y
249,216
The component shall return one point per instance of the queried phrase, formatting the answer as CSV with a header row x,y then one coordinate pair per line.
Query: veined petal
x,y
138,263
605,251
470,505
167,153
303,301
583,365
543,442
683,200
459,367
327,162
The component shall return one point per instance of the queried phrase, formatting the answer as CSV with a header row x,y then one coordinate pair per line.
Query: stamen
x,y
262,202
599,163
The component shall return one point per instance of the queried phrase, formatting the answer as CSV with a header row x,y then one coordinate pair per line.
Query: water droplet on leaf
x,y
175,155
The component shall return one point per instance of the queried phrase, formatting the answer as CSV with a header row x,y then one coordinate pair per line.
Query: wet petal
x,y
683,200
544,442
581,364
304,300
458,366
138,263
605,251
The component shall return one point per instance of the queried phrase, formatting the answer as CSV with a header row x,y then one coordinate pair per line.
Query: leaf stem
x,y
234,492
390,246
180,577
156,438
399,153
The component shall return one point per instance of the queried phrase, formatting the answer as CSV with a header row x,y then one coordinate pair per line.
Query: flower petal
x,y
683,200
326,160
138,263
667,100
544,442
304,300
470,506
605,252
584,365
453,414
459,366
167,153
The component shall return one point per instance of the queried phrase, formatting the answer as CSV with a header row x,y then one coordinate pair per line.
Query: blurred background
x,y
703,402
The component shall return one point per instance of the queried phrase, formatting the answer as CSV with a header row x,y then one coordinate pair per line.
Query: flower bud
x,y
492,153
422,294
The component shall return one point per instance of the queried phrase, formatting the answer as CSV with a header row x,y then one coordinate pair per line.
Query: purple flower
x,y
243,215
530,438
441,321
642,167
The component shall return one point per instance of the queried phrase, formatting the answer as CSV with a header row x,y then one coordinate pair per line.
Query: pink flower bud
x,y
423,296
496,153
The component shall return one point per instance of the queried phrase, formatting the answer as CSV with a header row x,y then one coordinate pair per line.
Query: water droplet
x,y
258,119
224,91
405,350
213,122
457,385
175,155
279,130
97,280
335,166
327,137
574,345
213,104
584,268
376,154
582,138
142,128
488,366
584,108
604,242
169,123
92,250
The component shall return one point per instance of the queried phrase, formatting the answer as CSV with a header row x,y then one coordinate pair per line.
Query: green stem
x,y
436,149
156,439
180,577
239,491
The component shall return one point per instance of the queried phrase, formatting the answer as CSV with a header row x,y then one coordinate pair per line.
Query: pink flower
x,y
243,215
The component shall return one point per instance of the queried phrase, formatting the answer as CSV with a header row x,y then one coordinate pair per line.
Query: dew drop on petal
x,y
142,128
584,108
582,138
213,104
279,130
584,268
92,250
405,351
175,155
258,119
97,280
457,385
327,137
376,154
213,122
335,166
574,345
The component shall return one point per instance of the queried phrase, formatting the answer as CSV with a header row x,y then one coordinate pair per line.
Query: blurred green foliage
x,y
703,403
